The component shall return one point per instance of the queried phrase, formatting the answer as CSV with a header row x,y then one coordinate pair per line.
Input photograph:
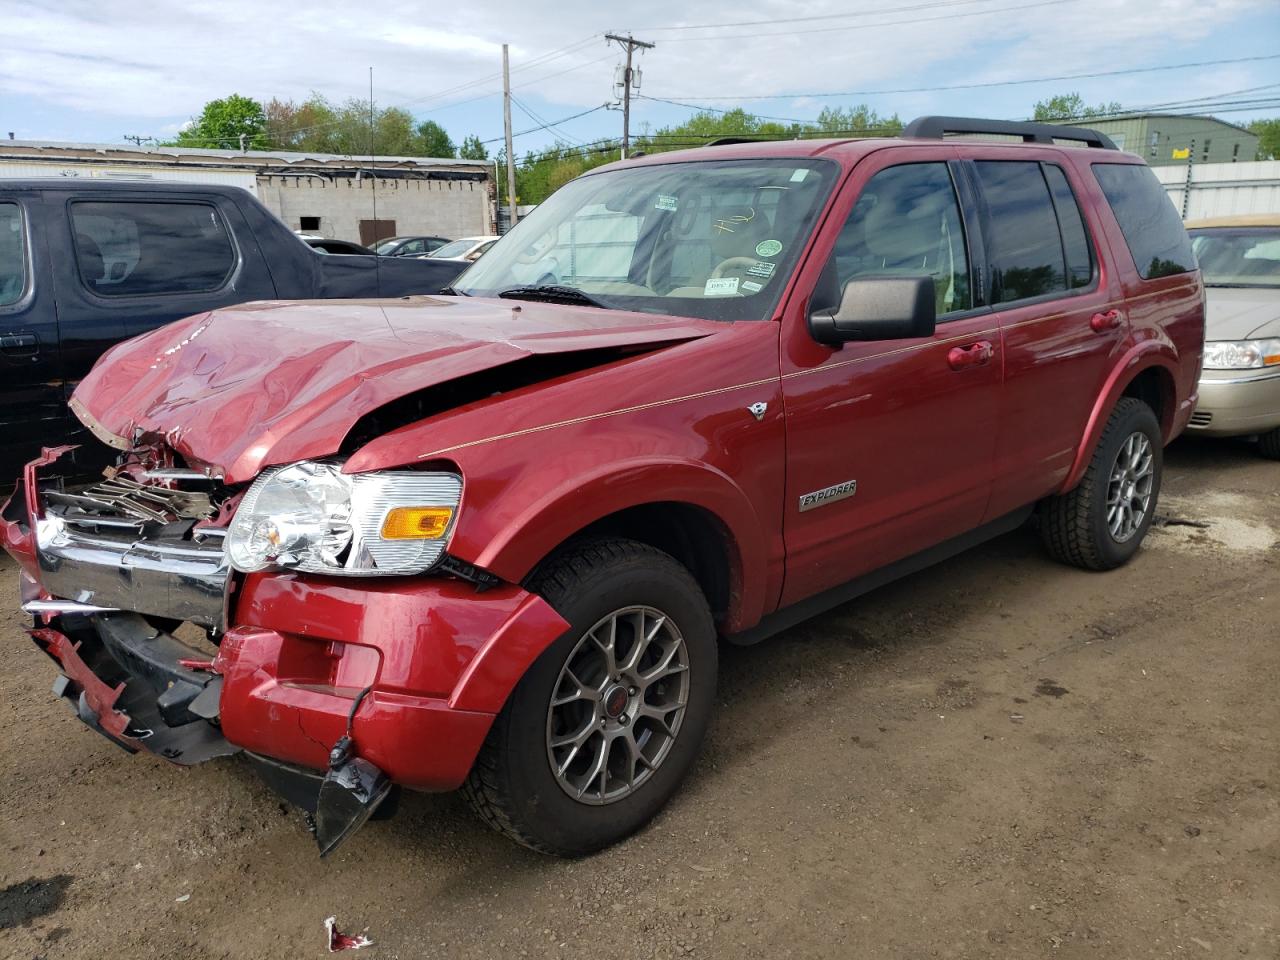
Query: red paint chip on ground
x,y
341,941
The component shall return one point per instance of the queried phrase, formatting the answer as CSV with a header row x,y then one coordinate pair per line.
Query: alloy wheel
x,y
1130,487
618,704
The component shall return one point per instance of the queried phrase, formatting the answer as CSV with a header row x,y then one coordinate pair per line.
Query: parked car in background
x,y
330,245
87,263
1240,386
465,250
408,246
491,541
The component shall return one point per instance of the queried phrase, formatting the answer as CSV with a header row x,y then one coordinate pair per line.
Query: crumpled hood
x,y
1241,313
265,383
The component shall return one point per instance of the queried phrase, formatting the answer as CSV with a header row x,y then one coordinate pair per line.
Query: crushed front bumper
x,y
409,672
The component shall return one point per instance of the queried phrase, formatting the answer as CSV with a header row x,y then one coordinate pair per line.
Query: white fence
x,y
1223,189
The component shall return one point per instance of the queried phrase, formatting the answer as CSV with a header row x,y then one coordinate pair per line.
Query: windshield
x,y
1238,256
386,246
712,239
455,249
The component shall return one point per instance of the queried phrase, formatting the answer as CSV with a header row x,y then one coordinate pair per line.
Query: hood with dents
x,y
266,383
1241,313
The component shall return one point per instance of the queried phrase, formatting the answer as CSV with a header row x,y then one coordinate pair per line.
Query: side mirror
x,y
878,308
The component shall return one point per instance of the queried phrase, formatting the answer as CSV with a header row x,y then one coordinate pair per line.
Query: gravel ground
x,y
998,757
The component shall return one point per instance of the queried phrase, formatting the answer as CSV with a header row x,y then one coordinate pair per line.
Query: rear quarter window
x,y
127,248
1151,226
13,255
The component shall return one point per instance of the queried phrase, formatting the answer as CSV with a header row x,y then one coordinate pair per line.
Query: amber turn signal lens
x,y
416,523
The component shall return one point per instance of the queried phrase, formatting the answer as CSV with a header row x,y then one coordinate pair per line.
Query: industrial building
x,y
321,194
1162,139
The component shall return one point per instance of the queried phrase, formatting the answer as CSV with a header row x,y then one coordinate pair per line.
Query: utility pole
x,y
242,136
631,45
137,140
506,123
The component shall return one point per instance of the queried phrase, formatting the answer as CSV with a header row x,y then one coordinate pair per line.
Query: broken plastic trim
x,y
349,795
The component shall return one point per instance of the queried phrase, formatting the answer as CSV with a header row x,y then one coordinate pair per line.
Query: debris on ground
x,y
341,941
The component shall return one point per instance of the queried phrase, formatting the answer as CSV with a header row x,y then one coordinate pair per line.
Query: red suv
x,y
490,540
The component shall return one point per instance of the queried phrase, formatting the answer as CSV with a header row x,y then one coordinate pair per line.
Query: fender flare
x,y
1139,358
525,539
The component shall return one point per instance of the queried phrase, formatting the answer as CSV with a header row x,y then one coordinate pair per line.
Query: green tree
x,y
1071,106
473,149
433,141
1268,132
222,123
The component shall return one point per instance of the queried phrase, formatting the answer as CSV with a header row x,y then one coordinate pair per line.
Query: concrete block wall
x,y
446,208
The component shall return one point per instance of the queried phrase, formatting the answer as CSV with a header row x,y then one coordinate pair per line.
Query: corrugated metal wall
x,y
17,170
1223,189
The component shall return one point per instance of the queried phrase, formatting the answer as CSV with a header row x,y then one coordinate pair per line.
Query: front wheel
x,y
1269,444
1101,523
606,723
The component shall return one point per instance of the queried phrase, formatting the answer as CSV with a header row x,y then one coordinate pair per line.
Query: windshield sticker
x,y
721,287
751,286
761,268
799,175
768,248
666,203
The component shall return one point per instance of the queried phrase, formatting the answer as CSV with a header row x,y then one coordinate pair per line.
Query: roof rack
x,y
738,138
935,128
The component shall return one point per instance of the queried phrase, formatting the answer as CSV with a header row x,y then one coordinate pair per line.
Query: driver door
x,y
890,444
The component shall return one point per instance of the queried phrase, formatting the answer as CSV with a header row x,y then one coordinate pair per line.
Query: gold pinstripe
x,y
788,376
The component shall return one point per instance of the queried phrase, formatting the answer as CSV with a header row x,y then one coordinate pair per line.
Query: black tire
x,y
1269,444
512,785
1074,525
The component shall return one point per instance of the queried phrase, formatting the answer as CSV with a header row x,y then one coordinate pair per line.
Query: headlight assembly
x,y
1241,354
311,517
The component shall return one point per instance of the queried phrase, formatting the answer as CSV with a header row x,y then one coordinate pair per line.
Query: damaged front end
x,y
130,590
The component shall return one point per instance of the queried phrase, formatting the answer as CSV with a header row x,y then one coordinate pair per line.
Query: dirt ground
x,y
999,757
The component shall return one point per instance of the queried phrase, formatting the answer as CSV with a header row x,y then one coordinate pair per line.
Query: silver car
x,y
1240,385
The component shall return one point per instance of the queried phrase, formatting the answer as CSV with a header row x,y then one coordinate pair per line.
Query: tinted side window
x,y
1075,241
1147,218
906,223
126,248
13,255
1025,246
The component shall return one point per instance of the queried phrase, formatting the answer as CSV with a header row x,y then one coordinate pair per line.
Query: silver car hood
x,y
1241,313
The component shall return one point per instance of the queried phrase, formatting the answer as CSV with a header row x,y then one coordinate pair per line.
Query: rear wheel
x,y
606,723
1101,523
1269,444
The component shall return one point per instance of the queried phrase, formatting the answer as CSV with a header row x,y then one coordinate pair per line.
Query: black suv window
x,y
13,256
126,248
1075,241
1024,242
907,223
1150,223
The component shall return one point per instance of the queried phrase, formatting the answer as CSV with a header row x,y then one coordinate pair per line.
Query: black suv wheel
x,y
1101,523
604,726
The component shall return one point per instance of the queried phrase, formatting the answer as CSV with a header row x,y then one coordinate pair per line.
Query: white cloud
x,y
164,59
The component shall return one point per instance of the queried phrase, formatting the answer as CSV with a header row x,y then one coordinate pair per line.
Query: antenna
x,y
373,193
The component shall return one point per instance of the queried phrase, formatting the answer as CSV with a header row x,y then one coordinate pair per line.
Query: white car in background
x,y
465,249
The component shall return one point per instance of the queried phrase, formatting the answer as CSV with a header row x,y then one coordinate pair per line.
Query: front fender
x,y
509,539
1142,356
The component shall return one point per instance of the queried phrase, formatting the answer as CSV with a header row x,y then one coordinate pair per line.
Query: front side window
x,y
1237,256
127,248
1024,244
458,248
1148,219
906,223
716,239
13,255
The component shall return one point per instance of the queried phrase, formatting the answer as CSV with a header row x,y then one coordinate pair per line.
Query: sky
x,y
95,72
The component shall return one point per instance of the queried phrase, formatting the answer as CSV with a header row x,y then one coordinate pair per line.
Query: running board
x,y
799,612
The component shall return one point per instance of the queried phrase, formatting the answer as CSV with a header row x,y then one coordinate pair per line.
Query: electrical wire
x,y
810,19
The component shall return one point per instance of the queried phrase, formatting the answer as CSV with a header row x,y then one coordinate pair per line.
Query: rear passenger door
x,y
137,261
1062,324
32,414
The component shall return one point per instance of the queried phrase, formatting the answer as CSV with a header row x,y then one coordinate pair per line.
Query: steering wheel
x,y
733,265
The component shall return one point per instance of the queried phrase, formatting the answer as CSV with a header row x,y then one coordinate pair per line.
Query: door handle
x,y
1102,322
971,356
19,345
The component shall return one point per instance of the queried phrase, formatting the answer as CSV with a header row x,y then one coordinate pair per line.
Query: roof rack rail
x,y
935,128
739,138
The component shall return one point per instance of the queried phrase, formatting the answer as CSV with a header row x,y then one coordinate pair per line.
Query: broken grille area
x,y
123,503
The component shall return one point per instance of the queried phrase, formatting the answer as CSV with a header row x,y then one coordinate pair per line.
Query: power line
x,y
986,84
629,79
810,19
773,34
544,123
